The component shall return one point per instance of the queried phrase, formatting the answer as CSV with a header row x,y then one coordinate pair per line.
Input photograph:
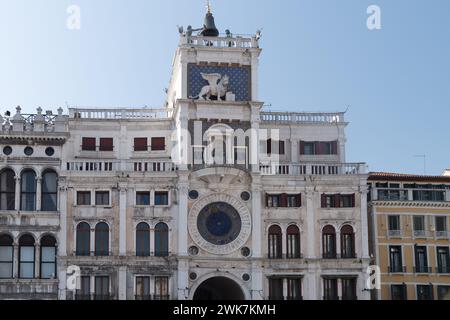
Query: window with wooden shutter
x,y
158,144
337,201
284,200
140,144
88,144
106,144
302,147
334,147
323,201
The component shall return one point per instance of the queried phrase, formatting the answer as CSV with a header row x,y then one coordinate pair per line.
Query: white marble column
x,y
123,283
123,220
17,193
182,245
364,222
37,261
311,235
62,208
295,152
16,261
38,193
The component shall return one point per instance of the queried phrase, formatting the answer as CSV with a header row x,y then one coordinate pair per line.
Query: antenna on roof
x,y
424,156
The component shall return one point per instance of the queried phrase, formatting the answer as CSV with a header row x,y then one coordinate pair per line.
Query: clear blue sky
x,y
318,56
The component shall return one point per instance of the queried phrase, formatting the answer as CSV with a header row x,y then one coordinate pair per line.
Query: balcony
x,y
118,166
395,233
441,234
119,114
302,118
420,234
443,269
313,169
396,269
238,41
422,269
285,256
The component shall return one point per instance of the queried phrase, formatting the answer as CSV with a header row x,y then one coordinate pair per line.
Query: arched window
x,y
143,240
329,242
28,191
102,240
83,239
293,242
7,190
48,257
275,242
161,240
6,257
347,242
49,191
26,257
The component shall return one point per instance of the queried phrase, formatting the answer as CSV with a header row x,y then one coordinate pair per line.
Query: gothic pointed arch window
x,y
28,190
7,190
329,242
26,256
293,242
49,191
161,240
83,239
6,256
275,242
48,257
143,240
102,239
347,242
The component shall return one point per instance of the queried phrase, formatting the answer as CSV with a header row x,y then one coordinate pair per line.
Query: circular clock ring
x,y
219,224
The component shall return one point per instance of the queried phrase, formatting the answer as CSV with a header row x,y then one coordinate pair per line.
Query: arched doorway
x,y
219,288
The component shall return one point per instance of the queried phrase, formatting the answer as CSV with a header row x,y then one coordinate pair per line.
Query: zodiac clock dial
x,y
219,223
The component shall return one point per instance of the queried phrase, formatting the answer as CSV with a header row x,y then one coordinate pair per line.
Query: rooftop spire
x,y
208,6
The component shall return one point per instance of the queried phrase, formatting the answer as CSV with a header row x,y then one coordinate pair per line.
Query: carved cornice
x,y
411,204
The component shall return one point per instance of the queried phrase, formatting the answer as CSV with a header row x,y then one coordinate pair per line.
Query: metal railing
x,y
396,269
395,233
443,269
422,269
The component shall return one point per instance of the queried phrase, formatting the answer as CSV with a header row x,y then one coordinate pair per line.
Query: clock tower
x,y
213,96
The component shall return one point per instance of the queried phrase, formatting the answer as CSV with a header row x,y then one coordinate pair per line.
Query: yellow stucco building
x,y
409,235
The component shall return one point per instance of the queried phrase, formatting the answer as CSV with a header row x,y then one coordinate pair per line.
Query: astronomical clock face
x,y
219,224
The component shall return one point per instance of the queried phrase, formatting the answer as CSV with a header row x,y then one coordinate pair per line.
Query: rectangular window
x,y
143,288
426,195
441,224
282,148
318,148
83,198
338,201
347,201
349,289
102,288
421,259
161,198
276,289
6,262
273,201
394,223
106,144
143,198
84,293
294,289
161,288
48,262
88,144
140,144
269,146
425,292
284,200
294,201
158,144
330,289
395,258
443,292
26,262
102,198
398,292
443,259
419,223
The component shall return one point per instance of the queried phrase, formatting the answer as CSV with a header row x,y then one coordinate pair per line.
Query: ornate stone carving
x,y
218,86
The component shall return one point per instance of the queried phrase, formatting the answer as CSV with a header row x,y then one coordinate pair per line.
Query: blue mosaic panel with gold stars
x,y
239,79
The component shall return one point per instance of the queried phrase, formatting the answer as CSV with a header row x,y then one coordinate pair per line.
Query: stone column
x,y
364,222
17,193
16,261
123,220
311,235
254,137
123,283
257,239
62,208
38,193
37,261
294,151
62,284
182,245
